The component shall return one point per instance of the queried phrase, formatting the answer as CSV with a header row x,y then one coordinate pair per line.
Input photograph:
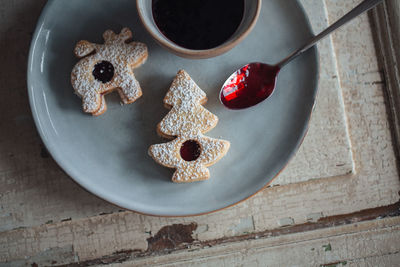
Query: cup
x,y
251,13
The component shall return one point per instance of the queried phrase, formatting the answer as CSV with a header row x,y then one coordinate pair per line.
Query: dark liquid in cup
x,y
198,24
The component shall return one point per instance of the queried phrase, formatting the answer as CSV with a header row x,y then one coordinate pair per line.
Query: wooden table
x,y
337,202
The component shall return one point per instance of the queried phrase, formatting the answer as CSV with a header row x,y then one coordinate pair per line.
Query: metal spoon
x,y
255,82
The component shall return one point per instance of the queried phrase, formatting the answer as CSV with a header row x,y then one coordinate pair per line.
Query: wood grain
x,y
45,216
326,150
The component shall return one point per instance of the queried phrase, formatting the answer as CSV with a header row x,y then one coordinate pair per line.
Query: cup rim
x,y
199,53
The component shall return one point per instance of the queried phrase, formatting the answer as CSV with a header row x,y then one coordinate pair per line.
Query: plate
x,y
107,155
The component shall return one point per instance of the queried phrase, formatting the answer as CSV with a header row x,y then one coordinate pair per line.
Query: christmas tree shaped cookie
x,y
190,153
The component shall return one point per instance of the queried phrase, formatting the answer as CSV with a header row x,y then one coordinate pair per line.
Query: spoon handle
x,y
358,10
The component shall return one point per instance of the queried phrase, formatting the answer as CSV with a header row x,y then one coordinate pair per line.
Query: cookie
x,y
106,67
191,152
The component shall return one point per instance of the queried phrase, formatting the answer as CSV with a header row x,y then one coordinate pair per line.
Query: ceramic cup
x,y
250,16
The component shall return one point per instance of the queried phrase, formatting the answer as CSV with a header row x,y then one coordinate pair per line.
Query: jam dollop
x,y
190,150
249,85
103,71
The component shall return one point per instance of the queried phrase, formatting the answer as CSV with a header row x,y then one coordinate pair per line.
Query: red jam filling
x,y
103,71
190,150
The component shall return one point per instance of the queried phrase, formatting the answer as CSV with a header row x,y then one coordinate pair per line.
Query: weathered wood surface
x,y
326,150
362,244
34,191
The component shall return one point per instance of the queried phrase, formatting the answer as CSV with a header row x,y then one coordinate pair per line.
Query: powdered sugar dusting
x,y
123,56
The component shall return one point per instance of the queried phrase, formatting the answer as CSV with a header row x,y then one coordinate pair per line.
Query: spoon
x,y
255,82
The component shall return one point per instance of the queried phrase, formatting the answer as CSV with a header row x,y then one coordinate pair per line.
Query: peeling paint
x,y
58,255
327,247
245,225
285,221
335,264
158,241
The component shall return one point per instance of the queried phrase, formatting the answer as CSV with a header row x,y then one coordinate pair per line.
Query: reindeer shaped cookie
x,y
107,67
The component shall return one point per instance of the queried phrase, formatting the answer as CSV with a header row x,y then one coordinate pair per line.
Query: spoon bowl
x,y
251,13
249,85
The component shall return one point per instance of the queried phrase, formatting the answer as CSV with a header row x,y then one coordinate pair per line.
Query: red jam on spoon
x,y
249,85
103,71
198,24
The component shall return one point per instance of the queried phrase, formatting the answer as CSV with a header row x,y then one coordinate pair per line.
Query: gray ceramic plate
x,y
107,155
